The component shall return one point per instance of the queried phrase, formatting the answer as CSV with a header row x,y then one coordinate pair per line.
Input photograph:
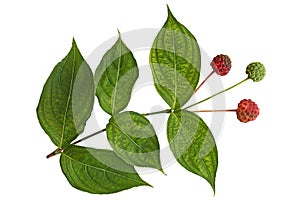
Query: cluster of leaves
x,y
67,101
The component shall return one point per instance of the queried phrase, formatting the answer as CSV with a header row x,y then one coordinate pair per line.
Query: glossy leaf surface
x,y
67,99
175,62
133,138
193,144
98,171
115,78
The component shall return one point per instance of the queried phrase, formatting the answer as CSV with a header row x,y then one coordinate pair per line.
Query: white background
x,y
258,160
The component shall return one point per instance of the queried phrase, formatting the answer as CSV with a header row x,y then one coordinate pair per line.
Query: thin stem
x,y
217,94
158,112
60,150
89,136
55,152
227,110
211,73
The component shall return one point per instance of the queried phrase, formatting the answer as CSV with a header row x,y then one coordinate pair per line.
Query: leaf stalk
x,y
60,150
158,112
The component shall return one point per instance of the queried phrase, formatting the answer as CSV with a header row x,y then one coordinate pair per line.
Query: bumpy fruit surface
x,y
221,64
247,110
256,71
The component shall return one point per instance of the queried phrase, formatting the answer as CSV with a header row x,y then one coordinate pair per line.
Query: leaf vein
x,y
68,101
117,79
101,169
175,69
192,143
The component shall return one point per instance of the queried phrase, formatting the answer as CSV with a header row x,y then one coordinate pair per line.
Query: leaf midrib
x,y
68,101
194,148
117,80
97,168
175,68
116,126
143,150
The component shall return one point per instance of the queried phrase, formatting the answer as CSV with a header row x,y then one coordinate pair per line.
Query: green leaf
x,y
175,62
193,144
133,138
67,99
98,171
115,77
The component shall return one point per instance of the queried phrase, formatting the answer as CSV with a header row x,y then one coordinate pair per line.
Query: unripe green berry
x,y
256,71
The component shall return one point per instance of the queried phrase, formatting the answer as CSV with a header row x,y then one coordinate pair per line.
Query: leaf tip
x,y
168,8
150,185
170,15
119,34
213,187
162,171
73,42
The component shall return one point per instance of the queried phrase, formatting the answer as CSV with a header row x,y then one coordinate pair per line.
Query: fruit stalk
x,y
216,94
227,110
204,81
